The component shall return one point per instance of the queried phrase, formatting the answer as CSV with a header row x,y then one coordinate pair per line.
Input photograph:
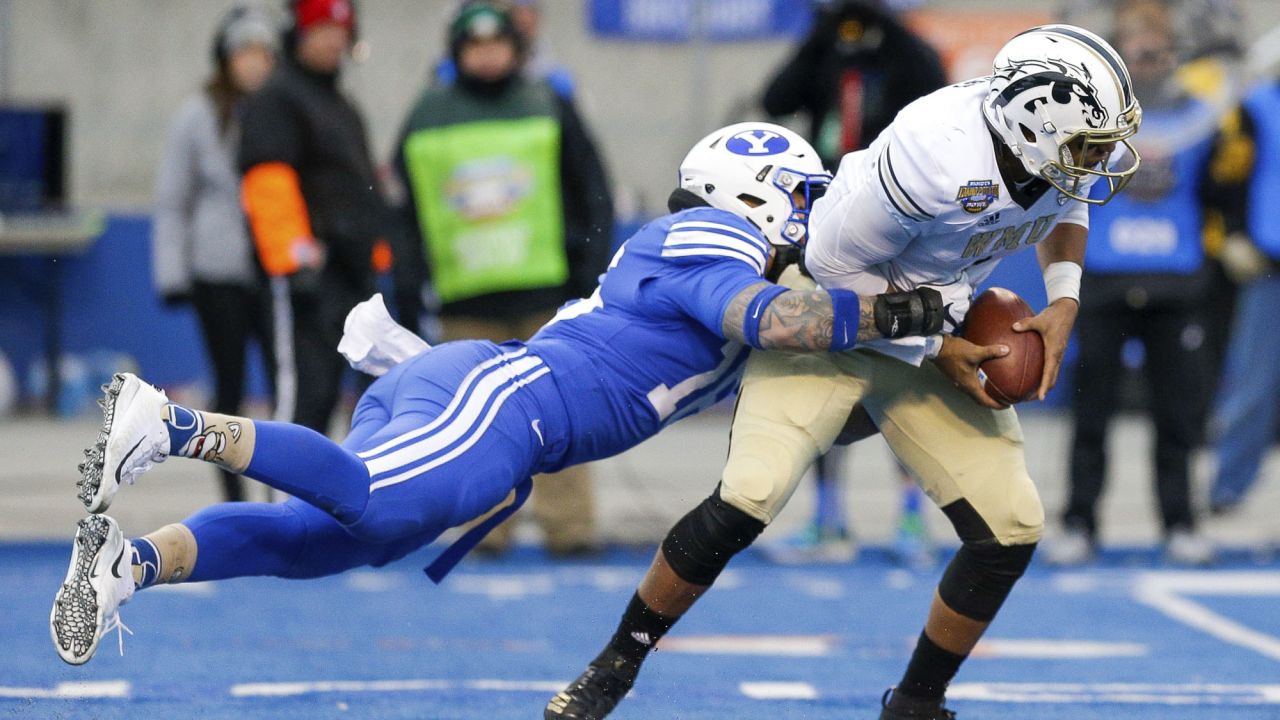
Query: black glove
x,y
913,312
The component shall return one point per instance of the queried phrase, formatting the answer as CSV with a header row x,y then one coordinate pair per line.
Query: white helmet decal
x,y
757,142
756,170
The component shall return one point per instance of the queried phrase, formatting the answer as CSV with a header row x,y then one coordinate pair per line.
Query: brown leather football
x,y
1016,376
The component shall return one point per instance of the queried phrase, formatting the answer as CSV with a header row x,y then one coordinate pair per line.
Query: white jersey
x,y
926,205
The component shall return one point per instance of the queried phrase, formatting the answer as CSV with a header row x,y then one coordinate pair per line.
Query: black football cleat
x,y
597,691
895,706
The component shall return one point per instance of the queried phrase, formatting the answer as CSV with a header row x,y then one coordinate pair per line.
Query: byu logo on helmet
x,y
757,142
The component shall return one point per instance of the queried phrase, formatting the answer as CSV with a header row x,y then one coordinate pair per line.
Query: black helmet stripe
x,y
1117,66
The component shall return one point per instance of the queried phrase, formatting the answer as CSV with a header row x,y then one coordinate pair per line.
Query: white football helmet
x,y
756,170
1059,91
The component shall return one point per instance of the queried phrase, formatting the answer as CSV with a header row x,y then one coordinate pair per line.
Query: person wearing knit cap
x,y
313,206
202,255
509,215
536,62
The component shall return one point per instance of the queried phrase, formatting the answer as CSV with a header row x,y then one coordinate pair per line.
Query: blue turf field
x,y
1130,639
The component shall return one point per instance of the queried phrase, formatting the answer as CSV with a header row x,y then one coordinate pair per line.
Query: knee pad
x,y
704,540
980,576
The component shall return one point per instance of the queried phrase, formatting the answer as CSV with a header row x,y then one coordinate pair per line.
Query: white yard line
x,y
1191,694
1193,614
1056,649
71,690
284,689
778,690
771,645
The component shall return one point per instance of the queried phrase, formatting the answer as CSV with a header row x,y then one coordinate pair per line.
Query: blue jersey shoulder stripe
x,y
702,237
713,251
723,229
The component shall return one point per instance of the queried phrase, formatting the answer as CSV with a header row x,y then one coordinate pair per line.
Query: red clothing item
x,y
312,12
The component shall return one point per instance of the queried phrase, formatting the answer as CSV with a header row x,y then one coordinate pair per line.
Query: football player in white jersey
x,y
962,178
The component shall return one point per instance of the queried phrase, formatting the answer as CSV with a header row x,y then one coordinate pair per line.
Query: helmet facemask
x,y
792,183
1071,170
1059,95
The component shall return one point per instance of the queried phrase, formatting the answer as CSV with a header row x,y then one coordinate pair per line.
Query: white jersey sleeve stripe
x,y
715,252
703,238
896,194
678,239
723,229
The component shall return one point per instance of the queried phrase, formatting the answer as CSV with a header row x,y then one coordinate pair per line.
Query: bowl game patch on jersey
x,y
977,195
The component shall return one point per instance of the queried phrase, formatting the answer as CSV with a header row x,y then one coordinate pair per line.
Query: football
x,y
1016,376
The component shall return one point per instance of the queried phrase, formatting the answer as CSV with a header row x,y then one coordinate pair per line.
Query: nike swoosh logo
x,y
115,567
537,429
126,459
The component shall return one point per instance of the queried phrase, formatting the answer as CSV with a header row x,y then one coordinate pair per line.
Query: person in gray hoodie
x,y
202,252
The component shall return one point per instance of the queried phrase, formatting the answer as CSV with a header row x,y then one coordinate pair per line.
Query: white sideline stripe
x,y
1201,618
1057,649
1191,694
775,645
199,589
1213,583
502,587
368,581
516,686
778,690
286,689
71,690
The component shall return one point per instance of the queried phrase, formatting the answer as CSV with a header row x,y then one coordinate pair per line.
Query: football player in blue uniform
x,y
446,436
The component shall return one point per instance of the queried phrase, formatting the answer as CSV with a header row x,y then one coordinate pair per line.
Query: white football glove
x,y
373,343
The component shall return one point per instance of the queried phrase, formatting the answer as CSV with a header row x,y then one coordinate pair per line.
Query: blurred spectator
x,y
1212,34
310,194
1244,414
203,255
1144,279
538,63
857,68
512,207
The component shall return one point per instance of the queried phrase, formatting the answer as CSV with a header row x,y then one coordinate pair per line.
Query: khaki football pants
x,y
563,503
791,407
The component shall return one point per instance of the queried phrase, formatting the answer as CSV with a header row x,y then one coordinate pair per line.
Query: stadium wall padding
x,y
109,309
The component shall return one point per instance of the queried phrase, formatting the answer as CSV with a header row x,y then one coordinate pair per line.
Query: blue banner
x,y
718,20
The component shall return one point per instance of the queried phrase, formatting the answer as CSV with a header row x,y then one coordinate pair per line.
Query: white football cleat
x,y
133,438
99,581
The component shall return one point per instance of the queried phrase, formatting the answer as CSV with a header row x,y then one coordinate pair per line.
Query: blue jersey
x,y
647,349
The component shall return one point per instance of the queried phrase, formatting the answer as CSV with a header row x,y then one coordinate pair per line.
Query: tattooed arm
x,y
795,320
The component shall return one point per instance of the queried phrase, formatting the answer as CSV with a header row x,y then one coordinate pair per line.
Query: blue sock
x,y
147,558
310,466
183,424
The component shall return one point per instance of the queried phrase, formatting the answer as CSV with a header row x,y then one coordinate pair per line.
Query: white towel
x,y
373,343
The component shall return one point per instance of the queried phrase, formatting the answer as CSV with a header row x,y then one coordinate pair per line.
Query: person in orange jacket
x,y
313,206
